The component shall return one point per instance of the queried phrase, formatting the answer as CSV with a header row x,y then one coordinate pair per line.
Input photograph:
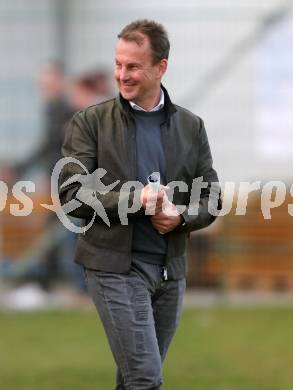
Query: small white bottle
x,y
154,181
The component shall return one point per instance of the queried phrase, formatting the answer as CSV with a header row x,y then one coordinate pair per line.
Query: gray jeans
x,y
140,312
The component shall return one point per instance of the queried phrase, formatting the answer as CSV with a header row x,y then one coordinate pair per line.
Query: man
x,y
136,272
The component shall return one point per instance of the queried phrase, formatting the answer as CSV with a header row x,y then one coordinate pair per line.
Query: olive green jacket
x,y
103,136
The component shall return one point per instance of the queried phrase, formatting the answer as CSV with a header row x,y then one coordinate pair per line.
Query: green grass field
x,y
214,348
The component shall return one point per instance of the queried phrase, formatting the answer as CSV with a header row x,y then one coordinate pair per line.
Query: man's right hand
x,y
152,201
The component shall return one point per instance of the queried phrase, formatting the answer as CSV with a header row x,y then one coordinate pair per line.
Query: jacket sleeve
x,y
81,144
210,197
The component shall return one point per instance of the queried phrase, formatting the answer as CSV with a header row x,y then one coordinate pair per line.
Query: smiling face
x,y
138,79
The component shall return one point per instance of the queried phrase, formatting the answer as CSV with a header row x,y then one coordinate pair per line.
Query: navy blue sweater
x,y
148,244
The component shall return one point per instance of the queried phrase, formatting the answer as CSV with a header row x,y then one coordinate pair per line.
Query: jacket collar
x,y
169,107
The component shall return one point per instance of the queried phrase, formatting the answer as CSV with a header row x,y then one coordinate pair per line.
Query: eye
x,y
133,67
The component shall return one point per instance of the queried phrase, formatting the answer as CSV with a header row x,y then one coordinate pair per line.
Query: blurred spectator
x,y
90,88
83,92
57,111
61,98
56,261
104,86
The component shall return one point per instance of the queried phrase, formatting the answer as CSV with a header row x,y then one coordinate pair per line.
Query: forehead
x,y
130,51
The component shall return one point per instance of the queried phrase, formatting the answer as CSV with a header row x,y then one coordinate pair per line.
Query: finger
x,y
158,209
165,188
157,223
160,202
159,213
160,196
159,226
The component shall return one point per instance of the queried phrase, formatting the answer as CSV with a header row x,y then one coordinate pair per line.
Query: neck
x,y
149,103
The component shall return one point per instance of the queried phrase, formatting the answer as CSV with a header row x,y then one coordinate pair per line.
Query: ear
x,y
163,65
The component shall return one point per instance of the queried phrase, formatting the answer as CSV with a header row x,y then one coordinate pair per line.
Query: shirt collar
x,y
156,108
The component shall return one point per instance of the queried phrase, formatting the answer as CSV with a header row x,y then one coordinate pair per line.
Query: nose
x,y
124,75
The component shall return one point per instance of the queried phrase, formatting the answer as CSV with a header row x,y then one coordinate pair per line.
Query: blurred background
x,y
230,63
